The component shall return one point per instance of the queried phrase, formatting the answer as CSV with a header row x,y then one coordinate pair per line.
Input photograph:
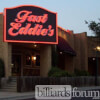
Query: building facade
x,y
75,51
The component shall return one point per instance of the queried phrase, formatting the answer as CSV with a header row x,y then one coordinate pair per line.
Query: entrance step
x,y
11,86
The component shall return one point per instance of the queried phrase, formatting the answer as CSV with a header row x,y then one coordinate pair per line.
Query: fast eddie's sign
x,y
30,24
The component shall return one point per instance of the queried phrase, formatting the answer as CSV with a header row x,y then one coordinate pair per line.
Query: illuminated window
x,y
28,60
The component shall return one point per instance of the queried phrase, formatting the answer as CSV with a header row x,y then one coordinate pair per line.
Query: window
x,y
28,60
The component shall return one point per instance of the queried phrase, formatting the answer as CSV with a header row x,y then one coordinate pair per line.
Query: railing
x,y
28,83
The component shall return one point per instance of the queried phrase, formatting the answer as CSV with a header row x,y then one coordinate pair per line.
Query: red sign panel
x,y
30,24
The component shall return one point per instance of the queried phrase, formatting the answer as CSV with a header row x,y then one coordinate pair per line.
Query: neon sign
x,y
30,24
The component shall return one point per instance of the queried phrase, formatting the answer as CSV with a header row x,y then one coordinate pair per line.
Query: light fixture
x,y
29,58
35,45
60,52
93,58
98,48
33,58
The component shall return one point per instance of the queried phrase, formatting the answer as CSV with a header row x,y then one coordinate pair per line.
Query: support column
x,y
5,50
9,59
69,66
45,60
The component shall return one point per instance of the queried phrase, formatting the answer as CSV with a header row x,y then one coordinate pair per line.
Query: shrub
x,y
57,72
2,71
81,72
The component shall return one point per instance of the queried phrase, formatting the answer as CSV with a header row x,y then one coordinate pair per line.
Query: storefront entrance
x,y
30,59
25,59
16,68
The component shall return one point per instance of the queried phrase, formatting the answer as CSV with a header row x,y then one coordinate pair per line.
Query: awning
x,y
63,46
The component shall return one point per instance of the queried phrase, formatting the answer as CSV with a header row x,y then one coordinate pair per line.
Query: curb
x,y
88,88
24,96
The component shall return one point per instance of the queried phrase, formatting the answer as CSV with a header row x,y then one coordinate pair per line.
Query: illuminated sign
x,y
30,24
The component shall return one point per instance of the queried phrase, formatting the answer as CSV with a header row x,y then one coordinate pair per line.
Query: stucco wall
x,y
5,50
80,46
79,43
69,37
67,61
45,62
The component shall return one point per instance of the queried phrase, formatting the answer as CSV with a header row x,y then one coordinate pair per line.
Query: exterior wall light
x,y
60,52
35,45
93,58
98,48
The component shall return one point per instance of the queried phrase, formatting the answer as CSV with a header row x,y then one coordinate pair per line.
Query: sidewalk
x,y
26,95
15,95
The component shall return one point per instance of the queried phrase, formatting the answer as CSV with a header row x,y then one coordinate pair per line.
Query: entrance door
x,y
16,68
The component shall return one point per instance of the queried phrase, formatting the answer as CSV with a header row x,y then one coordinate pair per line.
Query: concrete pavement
x,y
26,95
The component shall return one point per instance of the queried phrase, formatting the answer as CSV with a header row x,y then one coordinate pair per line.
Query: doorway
x,y
16,68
